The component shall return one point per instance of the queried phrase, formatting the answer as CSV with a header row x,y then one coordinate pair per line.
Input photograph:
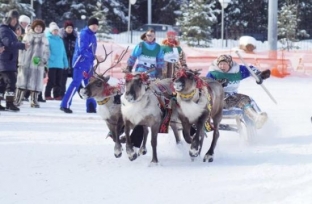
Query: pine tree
x,y
99,12
196,20
287,26
22,8
165,11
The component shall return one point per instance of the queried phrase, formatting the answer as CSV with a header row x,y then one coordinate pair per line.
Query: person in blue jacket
x,y
83,58
56,64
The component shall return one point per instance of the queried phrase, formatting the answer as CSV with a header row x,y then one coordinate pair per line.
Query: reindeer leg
x,y
143,149
155,129
132,155
175,130
116,132
197,140
216,121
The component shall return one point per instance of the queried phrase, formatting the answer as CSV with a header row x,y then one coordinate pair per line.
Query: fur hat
x,y
93,21
24,18
225,58
53,26
68,23
36,23
9,15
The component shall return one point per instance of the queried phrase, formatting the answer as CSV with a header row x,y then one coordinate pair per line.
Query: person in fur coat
x,y
173,55
31,63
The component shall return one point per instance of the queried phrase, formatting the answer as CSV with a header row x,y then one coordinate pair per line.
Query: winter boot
x,y
19,96
1,98
34,99
10,102
258,119
40,99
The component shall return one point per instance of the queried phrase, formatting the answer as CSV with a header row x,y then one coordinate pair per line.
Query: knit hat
x,y
93,21
171,32
24,19
36,23
225,58
53,26
68,23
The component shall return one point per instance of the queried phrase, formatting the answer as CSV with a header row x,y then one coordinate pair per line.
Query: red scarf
x,y
172,43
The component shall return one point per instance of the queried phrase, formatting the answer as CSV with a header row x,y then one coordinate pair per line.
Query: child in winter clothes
x,y
224,68
56,64
31,63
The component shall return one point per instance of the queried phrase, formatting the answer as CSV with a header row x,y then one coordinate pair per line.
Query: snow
x,y
48,156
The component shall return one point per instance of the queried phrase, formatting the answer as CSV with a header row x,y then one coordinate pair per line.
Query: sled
x,y
235,120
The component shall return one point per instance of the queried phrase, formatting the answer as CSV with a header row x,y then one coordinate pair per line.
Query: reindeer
x,y
141,103
107,94
199,100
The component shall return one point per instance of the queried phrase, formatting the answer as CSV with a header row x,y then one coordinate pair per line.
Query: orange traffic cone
x,y
275,72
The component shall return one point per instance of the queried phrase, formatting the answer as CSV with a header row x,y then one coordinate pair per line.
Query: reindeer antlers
x,y
118,60
106,55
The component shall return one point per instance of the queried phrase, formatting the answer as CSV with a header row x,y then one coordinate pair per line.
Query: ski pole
x,y
256,77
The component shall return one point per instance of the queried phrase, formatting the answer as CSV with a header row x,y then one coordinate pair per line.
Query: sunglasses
x,y
149,35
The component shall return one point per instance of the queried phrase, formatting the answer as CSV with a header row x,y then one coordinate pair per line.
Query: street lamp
x,y
224,4
129,17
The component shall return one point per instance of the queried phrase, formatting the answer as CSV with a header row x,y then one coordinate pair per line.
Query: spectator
x,y
69,35
56,64
24,21
9,57
32,63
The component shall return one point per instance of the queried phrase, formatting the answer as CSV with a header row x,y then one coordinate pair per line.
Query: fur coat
x,y
31,62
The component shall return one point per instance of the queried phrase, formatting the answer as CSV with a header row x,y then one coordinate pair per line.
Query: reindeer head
x,y
136,85
98,86
186,80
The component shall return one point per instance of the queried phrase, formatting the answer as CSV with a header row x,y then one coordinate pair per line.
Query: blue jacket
x,y
85,49
58,57
9,57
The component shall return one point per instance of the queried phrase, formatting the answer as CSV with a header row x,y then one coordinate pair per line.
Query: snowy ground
x,y
51,157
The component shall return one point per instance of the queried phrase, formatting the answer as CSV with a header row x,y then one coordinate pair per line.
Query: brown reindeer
x,y
107,94
141,103
199,100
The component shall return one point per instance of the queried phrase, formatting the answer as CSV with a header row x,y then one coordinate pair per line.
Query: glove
x,y
129,68
263,75
223,82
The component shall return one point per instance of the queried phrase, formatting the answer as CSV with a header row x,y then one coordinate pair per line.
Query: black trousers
x,y
54,82
8,81
63,82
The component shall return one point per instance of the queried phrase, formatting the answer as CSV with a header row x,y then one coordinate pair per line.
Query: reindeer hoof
x,y
118,155
208,158
193,152
122,139
143,151
133,156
